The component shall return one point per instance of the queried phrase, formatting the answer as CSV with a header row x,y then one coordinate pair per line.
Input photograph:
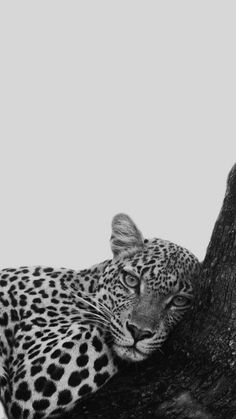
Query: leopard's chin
x,y
129,353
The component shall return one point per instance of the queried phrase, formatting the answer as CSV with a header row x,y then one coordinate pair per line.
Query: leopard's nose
x,y
137,333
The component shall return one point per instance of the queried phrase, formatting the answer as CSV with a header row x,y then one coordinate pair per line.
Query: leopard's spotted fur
x,y
61,330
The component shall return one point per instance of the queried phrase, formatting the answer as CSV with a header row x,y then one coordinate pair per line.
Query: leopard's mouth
x,y
129,353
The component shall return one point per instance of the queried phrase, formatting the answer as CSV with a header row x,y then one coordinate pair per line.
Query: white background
x,y
107,107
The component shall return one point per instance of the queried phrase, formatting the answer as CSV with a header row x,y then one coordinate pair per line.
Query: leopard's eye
x,y
180,301
131,281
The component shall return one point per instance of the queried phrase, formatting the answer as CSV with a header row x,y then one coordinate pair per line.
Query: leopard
x,y
63,331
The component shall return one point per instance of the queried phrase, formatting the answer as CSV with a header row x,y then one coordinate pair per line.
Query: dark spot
x,y
63,295
56,354
100,379
47,349
85,389
65,359
36,300
101,362
97,344
68,345
39,334
39,360
82,360
14,316
5,303
19,376
27,345
40,384
16,410
49,389
41,404
26,413
75,379
43,293
36,271
13,278
36,309
55,372
23,392
37,346
77,337
35,370
3,283
83,348
26,327
39,321
84,373
91,286
48,270
64,397
55,301
4,320
51,313
34,354
38,283
8,334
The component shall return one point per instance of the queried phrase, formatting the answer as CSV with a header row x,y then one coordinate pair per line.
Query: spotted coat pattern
x,y
62,331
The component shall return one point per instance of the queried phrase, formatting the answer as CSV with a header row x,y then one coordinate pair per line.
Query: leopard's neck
x,y
86,280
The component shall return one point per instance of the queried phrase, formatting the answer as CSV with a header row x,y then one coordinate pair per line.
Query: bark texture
x,y
195,376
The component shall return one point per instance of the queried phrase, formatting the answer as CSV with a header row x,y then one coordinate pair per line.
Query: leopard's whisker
x,y
99,303
91,317
97,306
96,322
86,302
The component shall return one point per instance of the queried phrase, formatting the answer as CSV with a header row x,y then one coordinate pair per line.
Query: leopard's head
x,y
146,287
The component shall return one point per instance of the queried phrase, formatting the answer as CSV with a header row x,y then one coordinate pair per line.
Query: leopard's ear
x,y
126,239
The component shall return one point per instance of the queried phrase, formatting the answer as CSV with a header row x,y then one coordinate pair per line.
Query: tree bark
x,y
195,376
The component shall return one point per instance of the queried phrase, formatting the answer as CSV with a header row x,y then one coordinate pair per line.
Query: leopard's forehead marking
x,y
161,265
160,256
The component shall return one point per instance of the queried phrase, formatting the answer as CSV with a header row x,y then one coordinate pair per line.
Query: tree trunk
x,y
195,376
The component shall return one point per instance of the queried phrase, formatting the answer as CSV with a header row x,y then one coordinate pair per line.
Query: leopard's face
x,y
147,292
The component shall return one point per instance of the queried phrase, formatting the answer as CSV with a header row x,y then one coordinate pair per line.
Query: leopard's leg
x,y
58,372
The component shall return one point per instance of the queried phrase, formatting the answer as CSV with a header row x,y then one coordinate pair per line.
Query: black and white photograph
x,y
118,209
